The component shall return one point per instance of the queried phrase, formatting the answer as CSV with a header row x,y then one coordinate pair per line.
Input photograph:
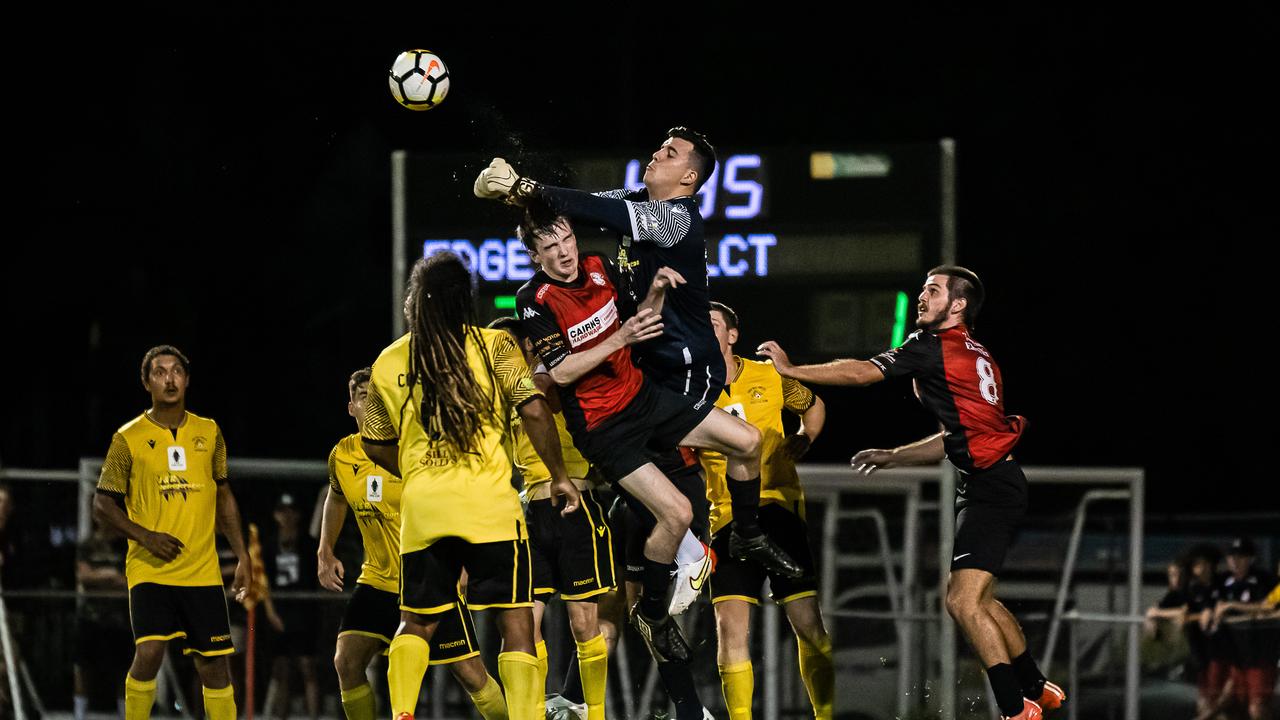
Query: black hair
x,y
963,283
156,352
539,218
706,154
442,313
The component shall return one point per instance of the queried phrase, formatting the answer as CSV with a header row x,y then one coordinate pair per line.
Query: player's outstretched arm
x,y
928,451
811,422
646,325
540,427
836,372
228,521
329,569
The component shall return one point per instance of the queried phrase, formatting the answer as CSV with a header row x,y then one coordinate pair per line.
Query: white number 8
x,y
987,384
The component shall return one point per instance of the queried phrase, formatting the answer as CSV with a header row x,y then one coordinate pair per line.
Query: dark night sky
x,y
222,184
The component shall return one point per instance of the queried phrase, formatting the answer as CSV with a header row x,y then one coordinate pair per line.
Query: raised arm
x,y
836,372
928,451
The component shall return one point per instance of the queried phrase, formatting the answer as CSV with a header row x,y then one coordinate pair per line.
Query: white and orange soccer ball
x,y
419,79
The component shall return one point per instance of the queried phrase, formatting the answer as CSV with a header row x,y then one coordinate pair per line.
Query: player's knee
x,y
349,668
749,443
679,515
961,605
583,621
471,674
147,658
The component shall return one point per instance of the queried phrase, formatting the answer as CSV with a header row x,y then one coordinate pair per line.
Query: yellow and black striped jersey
x,y
448,494
532,469
168,480
374,497
758,395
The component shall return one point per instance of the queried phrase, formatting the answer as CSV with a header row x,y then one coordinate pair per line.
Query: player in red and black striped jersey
x,y
957,379
615,413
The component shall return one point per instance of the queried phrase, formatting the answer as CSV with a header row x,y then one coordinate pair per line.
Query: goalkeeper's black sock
x,y
744,497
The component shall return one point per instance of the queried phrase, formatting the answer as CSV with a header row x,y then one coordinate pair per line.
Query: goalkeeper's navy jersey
x,y
958,381
686,357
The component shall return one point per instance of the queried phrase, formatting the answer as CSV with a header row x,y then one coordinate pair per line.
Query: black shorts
x,y
736,579
639,522
655,418
990,506
375,613
198,614
499,575
698,381
573,554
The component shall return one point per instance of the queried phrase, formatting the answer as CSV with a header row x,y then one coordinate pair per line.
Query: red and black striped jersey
x,y
562,318
958,381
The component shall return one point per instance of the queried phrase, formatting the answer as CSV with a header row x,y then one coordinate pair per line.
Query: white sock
x,y
691,549
81,705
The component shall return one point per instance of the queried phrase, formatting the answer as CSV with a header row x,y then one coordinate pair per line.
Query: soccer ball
x,y
419,80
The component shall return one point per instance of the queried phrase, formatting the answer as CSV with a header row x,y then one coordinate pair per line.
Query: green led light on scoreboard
x,y
900,320
505,302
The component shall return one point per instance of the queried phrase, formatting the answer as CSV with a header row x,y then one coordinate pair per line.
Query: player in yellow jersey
x,y
755,392
573,554
373,612
164,486
439,404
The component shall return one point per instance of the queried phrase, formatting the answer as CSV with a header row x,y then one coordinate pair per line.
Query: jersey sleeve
x,y
909,359
378,428
796,397
114,479
513,373
334,485
660,222
618,194
220,473
541,327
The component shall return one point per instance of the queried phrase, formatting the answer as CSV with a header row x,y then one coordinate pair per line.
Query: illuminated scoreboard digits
x,y
737,193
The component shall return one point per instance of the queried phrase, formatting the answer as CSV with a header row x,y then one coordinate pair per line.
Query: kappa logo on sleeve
x,y
529,313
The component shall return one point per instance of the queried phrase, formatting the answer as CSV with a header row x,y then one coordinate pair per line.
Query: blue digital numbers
x,y
741,181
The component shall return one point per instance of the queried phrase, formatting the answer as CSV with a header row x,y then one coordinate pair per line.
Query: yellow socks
x,y
593,668
406,663
738,681
818,672
138,698
489,701
540,649
220,704
357,703
520,675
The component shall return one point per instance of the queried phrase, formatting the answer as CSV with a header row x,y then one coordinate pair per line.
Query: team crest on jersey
x,y
177,457
200,443
597,278
373,488
757,393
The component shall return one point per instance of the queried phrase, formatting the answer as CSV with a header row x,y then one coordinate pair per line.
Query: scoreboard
x,y
820,247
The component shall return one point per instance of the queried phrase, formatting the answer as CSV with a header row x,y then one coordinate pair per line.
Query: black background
x,y
222,184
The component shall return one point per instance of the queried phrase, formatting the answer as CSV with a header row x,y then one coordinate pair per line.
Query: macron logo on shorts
x,y
592,327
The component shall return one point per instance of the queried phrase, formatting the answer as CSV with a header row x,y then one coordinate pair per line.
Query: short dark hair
x,y
363,375
156,352
706,154
730,317
510,324
539,218
963,283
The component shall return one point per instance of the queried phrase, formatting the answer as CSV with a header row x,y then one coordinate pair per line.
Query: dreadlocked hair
x,y
441,313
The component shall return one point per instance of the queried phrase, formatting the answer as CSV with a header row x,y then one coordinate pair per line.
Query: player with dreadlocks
x,y
437,413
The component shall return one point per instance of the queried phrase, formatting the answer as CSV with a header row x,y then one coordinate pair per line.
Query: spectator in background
x,y
1240,595
1203,563
103,635
1164,646
289,557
